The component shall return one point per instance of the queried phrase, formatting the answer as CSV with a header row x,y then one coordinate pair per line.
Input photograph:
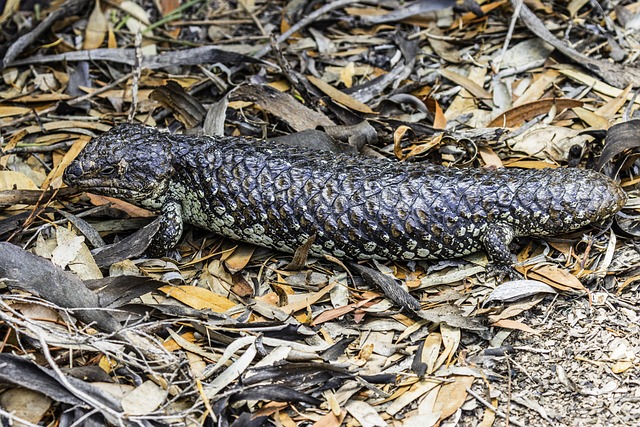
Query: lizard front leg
x,y
171,226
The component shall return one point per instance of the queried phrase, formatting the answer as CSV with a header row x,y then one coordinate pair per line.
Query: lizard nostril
x,y
71,173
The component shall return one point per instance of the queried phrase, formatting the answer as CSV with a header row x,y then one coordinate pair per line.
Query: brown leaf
x,y
282,105
518,115
558,278
452,395
473,88
131,210
439,121
339,96
239,258
514,324
334,313
174,98
240,286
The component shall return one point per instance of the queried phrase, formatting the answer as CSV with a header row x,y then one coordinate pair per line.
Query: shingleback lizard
x,y
357,207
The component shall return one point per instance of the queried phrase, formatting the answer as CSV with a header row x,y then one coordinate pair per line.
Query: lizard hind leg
x,y
496,242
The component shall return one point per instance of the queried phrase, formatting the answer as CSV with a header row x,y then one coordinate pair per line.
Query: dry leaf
x,y
514,324
452,395
596,84
439,120
144,399
518,115
611,108
339,96
198,298
558,278
10,7
9,111
471,86
347,73
25,404
96,28
66,160
131,210
365,414
239,258
431,350
538,88
414,393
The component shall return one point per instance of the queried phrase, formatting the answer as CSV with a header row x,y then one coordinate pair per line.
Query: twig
x,y
111,414
506,358
74,101
627,111
137,71
489,406
303,23
507,40
68,8
254,18
616,75
12,418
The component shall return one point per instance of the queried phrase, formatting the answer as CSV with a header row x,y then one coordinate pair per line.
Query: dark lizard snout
x,y
72,173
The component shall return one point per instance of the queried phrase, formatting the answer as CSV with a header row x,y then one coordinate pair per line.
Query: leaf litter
x,y
96,330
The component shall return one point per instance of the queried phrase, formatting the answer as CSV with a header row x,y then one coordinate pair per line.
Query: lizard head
x,y
130,162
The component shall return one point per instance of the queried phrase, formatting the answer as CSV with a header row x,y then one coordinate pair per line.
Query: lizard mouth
x,y
97,186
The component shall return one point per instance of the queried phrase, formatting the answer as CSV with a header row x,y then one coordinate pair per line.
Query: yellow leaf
x,y
346,74
198,298
96,28
621,366
66,160
281,85
8,111
430,351
10,180
106,364
609,110
311,298
474,88
111,39
594,120
452,395
9,8
339,96
597,85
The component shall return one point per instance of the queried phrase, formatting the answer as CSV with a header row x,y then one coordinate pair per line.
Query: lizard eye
x,y
108,170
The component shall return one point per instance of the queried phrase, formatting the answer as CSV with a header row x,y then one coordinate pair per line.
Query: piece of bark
x,y
9,198
23,270
388,285
129,247
616,75
186,57
281,105
69,7
185,107
315,140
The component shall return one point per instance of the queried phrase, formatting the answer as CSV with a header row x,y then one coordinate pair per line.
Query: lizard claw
x,y
503,271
